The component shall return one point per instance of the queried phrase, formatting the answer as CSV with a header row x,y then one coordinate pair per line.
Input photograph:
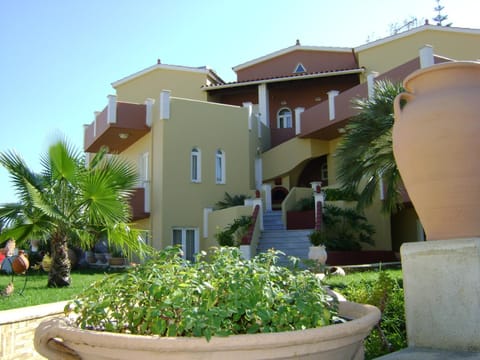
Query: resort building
x,y
270,134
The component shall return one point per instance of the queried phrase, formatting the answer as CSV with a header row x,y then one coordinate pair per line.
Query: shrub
x,y
305,204
317,238
346,229
230,201
233,233
226,295
386,293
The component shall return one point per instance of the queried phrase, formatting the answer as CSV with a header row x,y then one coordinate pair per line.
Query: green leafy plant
x,y
386,293
338,194
305,204
317,238
221,296
230,201
233,233
346,229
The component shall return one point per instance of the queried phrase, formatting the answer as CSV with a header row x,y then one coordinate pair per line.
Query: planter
x,y
300,220
54,339
318,253
116,261
435,143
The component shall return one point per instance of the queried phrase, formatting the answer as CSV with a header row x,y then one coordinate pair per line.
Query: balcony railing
x,y
118,126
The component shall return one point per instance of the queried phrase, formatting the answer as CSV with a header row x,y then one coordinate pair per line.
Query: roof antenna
x,y
297,43
439,18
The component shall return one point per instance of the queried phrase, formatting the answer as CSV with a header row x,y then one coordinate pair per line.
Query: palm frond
x,y
365,154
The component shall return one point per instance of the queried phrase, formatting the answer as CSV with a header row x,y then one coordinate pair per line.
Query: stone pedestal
x,y
442,293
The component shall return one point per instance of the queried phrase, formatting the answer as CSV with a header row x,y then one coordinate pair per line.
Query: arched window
x,y
284,118
196,165
220,167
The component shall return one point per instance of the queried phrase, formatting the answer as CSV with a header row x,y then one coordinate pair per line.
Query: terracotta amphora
x,y
436,143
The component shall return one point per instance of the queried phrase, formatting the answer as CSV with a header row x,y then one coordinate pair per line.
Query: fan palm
x,y
365,154
70,203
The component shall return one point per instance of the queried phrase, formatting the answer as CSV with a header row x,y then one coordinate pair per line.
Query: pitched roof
x,y
288,50
202,69
414,31
301,76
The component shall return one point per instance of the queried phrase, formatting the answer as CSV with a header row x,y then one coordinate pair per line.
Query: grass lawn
x,y
36,291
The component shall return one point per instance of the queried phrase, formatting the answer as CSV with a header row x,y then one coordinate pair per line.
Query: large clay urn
x,y
436,143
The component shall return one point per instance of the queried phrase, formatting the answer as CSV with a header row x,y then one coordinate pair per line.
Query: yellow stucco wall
x,y
208,127
399,49
185,84
281,159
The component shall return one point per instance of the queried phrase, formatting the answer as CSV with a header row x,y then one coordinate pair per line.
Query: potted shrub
x,y
221,306
317,251
116,257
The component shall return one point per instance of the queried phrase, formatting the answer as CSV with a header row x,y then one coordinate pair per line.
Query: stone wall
x,y
17,328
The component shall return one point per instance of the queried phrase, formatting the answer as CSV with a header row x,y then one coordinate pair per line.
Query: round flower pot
x,y
20,264
318,253
55,339
435,143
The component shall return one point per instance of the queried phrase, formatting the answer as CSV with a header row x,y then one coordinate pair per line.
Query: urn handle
x,y
396,103
47,341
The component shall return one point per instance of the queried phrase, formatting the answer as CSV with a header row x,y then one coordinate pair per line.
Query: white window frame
x,y
220,167
196,241
196,157
284,118
324,172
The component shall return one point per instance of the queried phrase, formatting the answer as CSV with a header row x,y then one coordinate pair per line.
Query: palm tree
x,y
365,153
70,203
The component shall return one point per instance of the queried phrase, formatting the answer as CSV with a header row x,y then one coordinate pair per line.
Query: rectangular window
x,y
195,165
188,239
220,167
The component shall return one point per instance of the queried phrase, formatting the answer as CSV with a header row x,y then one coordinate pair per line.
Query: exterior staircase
x,y
291,242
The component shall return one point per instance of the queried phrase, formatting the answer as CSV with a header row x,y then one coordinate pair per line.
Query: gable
x,y
299,60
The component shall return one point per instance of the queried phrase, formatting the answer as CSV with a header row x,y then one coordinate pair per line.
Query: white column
x,y
258,118
149,111
206,212
331,103
267,191
263,104
426,56
298,118
249,106
371,83
95,114
112,109
258,172
165,105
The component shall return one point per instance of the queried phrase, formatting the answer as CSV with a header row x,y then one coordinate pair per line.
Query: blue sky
x,y
59,57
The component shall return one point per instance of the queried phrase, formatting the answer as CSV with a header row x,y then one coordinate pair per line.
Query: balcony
x,y
139,204
325,120
118,126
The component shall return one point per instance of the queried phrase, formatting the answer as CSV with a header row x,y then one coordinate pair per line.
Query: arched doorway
x,y
279,193
315,170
